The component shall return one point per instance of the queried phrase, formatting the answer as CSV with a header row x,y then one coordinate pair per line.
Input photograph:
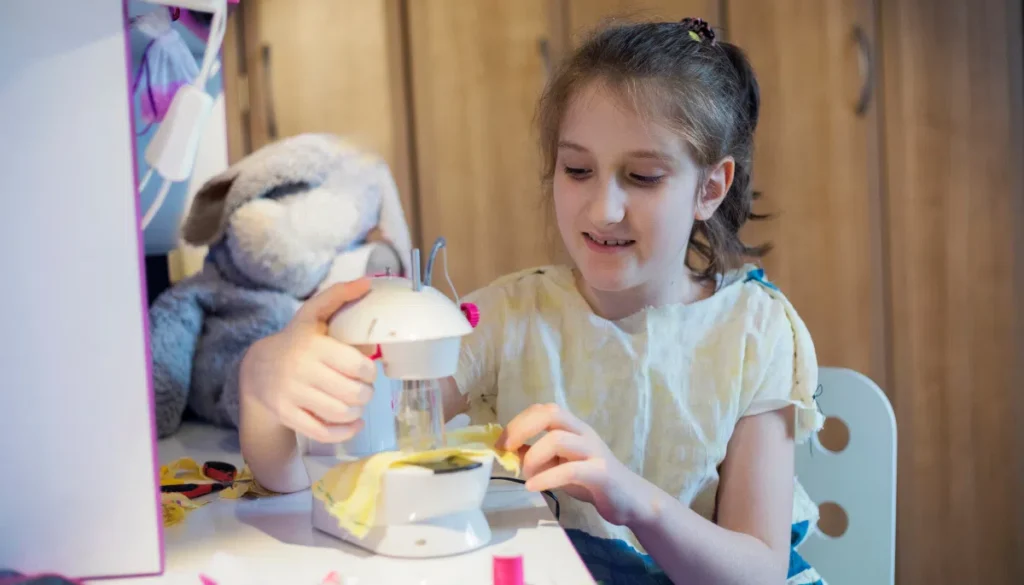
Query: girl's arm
x,y
750,544
299,380
270,449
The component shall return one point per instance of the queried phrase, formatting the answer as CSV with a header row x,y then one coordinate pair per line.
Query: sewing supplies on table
x,y
222,476
183,482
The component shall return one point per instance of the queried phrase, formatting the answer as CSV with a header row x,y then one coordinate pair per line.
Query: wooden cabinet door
x,y
954,181
584,15
329,66
816,163
478,69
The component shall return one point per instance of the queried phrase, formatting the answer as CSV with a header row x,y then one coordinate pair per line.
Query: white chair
x,y
860,479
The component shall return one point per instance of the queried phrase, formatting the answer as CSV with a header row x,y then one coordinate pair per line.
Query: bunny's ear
x,y
305,159
206,217
392,227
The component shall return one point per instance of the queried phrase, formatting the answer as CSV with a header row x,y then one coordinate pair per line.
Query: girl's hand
x,y
571,457
307,381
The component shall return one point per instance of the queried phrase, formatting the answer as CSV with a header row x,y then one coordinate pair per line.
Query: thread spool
x,y
508,570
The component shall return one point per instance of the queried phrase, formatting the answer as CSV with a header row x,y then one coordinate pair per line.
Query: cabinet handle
x,y
268,94
867,70
544,48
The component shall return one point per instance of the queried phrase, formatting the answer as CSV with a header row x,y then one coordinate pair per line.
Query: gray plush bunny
x,y
280,224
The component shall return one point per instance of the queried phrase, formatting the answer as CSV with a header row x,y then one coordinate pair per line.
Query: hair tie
x,y
698,30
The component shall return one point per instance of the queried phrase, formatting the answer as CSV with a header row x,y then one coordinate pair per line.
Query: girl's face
x,y
625,195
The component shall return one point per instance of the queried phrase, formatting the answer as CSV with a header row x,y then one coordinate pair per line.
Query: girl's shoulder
x,y
749,296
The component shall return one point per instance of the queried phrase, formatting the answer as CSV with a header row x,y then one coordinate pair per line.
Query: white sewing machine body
x,y
421,512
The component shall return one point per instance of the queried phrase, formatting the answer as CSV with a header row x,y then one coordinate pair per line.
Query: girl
x,y
668,381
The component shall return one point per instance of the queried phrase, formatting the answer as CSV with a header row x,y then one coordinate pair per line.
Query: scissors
x,y
223,475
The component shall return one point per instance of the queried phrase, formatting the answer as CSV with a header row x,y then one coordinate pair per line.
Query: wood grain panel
x,y
331,66
816,165
477,72
952,137
236,91
585,15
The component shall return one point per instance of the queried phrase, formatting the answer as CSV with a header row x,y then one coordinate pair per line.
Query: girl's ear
x,y
716,186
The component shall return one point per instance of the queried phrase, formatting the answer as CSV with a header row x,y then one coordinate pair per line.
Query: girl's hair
x,y
704,89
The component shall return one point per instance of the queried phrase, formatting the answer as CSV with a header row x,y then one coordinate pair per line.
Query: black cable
x,y
548,493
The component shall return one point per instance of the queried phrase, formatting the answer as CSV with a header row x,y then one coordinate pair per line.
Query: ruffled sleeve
x,y
783,368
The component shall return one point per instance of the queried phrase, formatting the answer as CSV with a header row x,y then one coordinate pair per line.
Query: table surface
x,y
273,541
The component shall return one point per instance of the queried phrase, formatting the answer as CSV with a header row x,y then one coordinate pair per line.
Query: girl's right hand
x,y
306,380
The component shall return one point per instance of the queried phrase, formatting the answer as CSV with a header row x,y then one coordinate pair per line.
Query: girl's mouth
x,y
603,244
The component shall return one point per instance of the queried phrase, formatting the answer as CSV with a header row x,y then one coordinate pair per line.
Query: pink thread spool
x,y
472,313
508,570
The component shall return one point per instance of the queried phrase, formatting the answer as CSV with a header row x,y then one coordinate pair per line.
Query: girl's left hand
x,y
571,457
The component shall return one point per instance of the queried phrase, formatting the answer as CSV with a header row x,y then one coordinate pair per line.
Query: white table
x,y
274,540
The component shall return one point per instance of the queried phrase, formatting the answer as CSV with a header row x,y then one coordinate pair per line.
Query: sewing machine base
x,y
441,536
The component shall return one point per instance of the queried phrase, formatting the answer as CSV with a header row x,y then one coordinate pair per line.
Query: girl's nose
x,y
607,204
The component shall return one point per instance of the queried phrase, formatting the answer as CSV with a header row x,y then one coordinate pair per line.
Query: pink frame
x,y
143,298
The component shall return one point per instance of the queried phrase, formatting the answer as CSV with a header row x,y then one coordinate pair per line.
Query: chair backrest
x,y
860,479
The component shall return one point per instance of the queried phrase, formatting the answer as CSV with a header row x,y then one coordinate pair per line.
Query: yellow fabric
x,y
245,485
182,471
175,507
349,490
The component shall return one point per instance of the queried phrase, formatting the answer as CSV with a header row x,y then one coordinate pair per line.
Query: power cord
x,y
548,493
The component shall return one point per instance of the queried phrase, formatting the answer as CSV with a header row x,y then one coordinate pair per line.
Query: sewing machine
x,y
425,510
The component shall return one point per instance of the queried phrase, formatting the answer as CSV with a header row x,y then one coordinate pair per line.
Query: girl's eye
x,y
645,179
577,173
